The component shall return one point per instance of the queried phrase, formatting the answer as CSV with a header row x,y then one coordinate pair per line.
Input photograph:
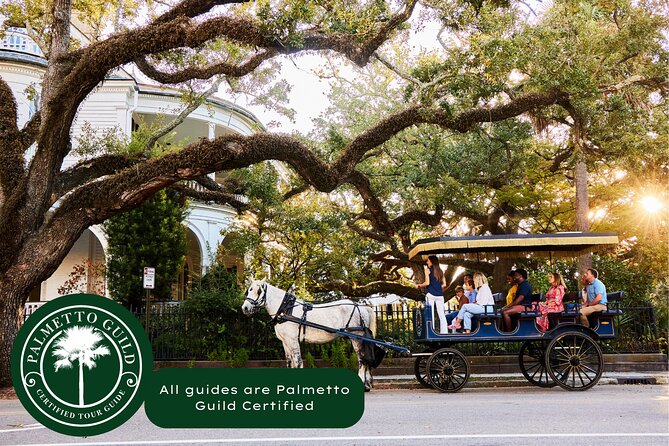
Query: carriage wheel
x,y
420,370
532,361
448,370
574,361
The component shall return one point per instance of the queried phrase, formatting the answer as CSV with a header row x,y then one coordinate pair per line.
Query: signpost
x,y
149,283
149,278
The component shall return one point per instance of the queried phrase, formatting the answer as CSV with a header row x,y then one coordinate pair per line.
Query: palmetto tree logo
x,y
80,364
79,345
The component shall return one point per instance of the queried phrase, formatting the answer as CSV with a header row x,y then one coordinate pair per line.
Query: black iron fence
x,y
177,334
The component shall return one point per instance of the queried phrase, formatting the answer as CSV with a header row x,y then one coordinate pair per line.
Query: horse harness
x,y
285,313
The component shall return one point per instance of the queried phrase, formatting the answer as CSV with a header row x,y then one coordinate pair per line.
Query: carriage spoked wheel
x,y
420,370
447,370
574,361
532,361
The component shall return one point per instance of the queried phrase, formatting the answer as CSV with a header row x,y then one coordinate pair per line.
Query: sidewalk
x,y
518,380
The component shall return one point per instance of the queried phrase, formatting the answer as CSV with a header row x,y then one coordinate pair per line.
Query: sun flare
x,y
651,204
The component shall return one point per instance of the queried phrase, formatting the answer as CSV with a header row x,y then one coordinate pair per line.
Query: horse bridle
x,y
260,300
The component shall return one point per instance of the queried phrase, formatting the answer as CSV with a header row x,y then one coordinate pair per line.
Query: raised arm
x,y
427,278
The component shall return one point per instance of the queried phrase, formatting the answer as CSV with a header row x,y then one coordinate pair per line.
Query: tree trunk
x,y
9,324
582,206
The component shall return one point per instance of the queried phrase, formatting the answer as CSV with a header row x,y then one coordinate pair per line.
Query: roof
x,y
17,56
515,245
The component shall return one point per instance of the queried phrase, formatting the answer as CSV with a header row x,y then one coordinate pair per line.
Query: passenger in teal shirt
x,y
594,289
596,296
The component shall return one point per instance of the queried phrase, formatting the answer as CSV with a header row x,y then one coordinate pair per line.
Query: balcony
x,y
16,39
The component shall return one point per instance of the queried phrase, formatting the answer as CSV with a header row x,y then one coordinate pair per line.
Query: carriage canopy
x,y
561,244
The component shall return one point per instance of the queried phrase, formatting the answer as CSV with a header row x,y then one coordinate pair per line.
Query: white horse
x,y
338,315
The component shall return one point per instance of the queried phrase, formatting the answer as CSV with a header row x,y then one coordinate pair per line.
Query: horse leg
x,y
289,359
363,371
297,357
294,354
286,350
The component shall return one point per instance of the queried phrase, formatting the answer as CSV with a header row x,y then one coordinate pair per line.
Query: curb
x,y
478,382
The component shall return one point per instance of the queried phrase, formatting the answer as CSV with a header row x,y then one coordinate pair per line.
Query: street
x,y
605,415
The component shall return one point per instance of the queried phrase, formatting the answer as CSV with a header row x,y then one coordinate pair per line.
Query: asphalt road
x,y
605,415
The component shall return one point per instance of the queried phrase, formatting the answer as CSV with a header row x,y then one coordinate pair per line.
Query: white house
x,y
121,102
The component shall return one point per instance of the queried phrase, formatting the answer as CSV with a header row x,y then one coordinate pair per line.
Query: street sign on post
x,y
149,278
149,283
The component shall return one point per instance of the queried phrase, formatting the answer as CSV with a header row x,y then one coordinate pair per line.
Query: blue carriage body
x,y
486,328
566,355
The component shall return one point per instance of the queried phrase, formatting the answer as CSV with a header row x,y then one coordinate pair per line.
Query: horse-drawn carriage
x,y
566,355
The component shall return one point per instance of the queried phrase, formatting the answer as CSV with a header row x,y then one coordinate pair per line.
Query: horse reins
x,y
262,298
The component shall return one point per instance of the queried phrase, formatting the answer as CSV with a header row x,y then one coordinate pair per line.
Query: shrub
x,y
353,362
240,359
338,358
309,361
151,235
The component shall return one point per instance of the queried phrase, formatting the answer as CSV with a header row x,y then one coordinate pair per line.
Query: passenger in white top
x,y
483,298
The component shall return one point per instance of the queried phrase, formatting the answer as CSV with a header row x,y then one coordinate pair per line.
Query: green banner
x,y
291,398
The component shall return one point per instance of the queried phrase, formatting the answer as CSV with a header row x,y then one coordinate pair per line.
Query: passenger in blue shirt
x,y
595,299
522,300
434,283
470,289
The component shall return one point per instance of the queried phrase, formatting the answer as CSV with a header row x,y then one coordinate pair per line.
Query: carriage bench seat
x,y
530,312
613,304
572,303
491,312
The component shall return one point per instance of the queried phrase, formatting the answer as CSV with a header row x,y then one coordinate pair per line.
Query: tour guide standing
x,y
596,296
434,295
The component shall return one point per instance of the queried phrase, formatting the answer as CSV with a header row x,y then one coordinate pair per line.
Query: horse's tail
x,y
372,354
372,320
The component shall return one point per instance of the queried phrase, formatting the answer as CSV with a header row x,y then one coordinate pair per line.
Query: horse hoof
x,y
368,389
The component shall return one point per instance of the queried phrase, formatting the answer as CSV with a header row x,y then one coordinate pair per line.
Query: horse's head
x,y
255,297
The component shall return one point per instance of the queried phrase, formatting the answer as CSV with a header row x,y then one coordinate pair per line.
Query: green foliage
x,y
216,293
240,358
213,303
309,361
91,142
616,274
660,302
304,241
151,235
338,357
218,354
325,352
352,362
97,15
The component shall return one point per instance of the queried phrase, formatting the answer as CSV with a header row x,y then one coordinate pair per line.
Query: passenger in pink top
x,y
554,297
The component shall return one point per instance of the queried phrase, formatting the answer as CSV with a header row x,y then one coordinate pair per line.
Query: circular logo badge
x,y
79,364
